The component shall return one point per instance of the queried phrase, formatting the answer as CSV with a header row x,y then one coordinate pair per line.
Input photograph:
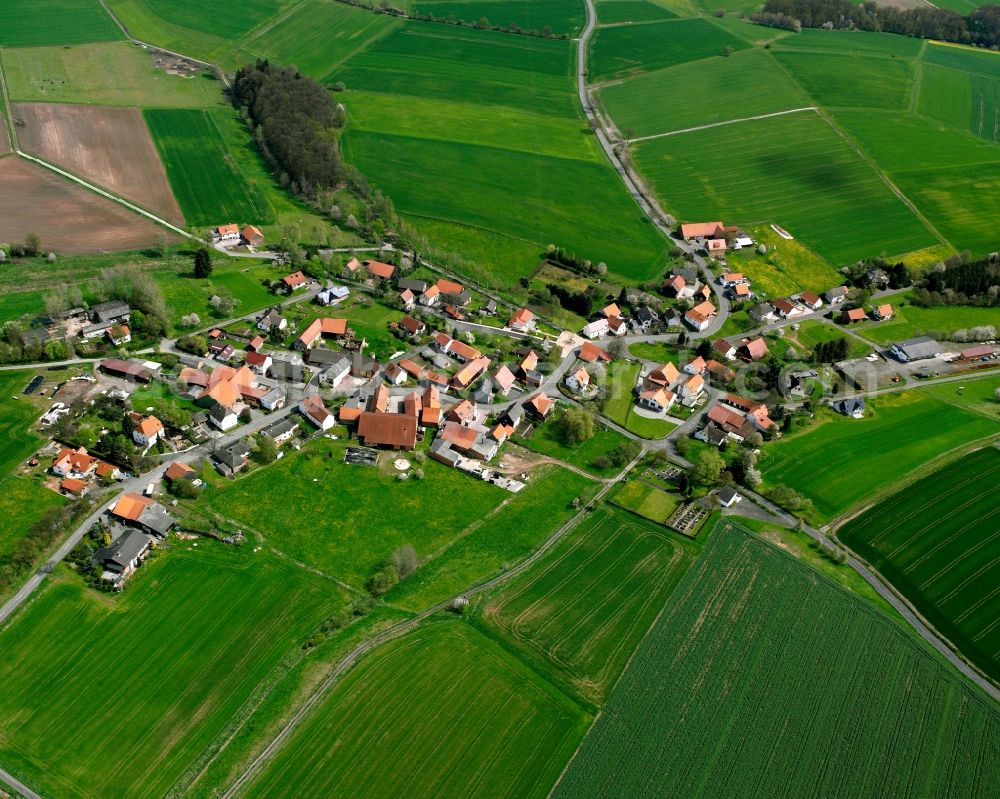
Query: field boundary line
x,y
721,124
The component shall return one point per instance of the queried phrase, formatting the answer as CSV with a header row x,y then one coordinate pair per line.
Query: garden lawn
x,y
197,631
832,462
493,544
646,500
750,627
490,150
619,381
116,73
186,294
645,427
28,23
938,542
345,520
443,711
206,180
746,84
582,610
658,353
795,171
547,440
811,333
624,50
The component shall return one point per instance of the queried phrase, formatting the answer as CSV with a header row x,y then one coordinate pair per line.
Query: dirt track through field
x,y
110,147
68,218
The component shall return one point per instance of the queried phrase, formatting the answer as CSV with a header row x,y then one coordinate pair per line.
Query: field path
x,y
726,122
18,786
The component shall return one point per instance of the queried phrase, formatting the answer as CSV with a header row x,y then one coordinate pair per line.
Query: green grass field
x,y
811,333
547,440
762,678
938,542
646,500
443,711
489,134
116,73
492,545
946,94
139,685
940,321
315,37
612,11
832,462
560,16
620,51
583,609
746,84
27,23
855,81
787,268
143,23
231,18
852,43
317,509
314,507
23,501
792,170
205,178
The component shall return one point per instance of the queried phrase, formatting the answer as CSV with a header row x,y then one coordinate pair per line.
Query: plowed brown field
x,y
110,147
68,218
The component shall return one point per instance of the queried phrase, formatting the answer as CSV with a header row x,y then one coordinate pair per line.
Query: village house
x,y
119,334
810,300
413,369
294,281
252,236
430,412
108,472
281,431
882,313
591,353
233,458
596,329
540,405
364,366
657,399
856,315
700,316
853,407
315,411
763,312
725,349
716,247
325,327
74,463
472,443
389,430
728,497
122,557
148,431
407,299
836,295
412,285
755,413
272,319
468,374
258,361
463,412
504,379
578,380
413,327
178,470
695,366
380,271
741,292
228,233
394,374
644,318
332,294
663,376
720,371
336,372
453,293
691,389
143,512
753,349
74,486
523,321
255,344
702,230
787,309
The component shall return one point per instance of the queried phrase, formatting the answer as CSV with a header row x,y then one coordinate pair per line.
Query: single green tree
x,y
202,263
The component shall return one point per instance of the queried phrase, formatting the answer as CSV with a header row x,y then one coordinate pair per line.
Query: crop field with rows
x,y
764,678
938,542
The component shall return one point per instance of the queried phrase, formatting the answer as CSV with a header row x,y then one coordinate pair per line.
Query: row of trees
x,y
980,27
293,118
972,283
